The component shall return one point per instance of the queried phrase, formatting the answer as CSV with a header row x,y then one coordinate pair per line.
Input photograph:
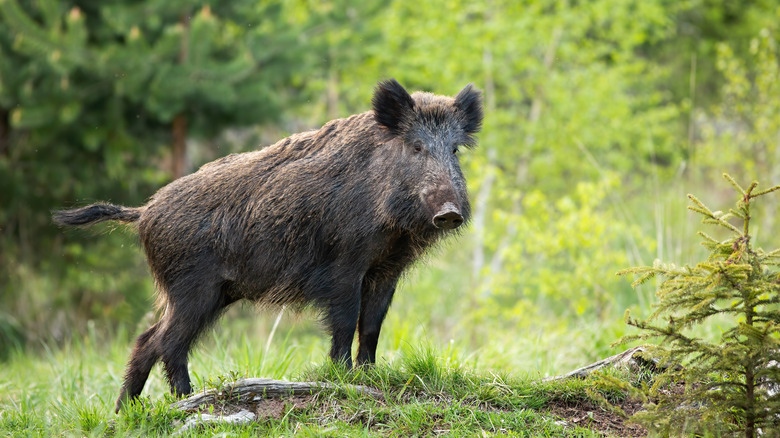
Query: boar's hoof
x,y
448,217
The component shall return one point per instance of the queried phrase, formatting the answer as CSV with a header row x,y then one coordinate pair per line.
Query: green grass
x,y
428,391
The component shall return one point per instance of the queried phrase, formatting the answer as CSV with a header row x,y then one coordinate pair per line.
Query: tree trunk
x,y
5,133
179,146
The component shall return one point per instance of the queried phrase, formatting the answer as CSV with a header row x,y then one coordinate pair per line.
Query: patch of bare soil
x,y
595,417
274,409
265,409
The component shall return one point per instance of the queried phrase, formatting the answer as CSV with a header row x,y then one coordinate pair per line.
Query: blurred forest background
x,y
600,116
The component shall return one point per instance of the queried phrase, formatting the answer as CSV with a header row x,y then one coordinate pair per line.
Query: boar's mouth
x,y
448,217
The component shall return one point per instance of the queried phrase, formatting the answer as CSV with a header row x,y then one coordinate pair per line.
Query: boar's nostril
x,y
448,217
448,220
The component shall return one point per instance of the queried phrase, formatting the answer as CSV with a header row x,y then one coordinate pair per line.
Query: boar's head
x,y
425,134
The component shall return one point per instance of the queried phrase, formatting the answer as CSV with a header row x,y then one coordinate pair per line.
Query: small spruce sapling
x,y
732,385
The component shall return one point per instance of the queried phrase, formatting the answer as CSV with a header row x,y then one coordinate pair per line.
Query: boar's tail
x,y
92,214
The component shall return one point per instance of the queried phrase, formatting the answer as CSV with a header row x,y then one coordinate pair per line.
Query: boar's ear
x,y
469,104
392,105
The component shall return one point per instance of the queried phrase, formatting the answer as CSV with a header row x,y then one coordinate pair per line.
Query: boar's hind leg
x,y
143,358
373,308
193,307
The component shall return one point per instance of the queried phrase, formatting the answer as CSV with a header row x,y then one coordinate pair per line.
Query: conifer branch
x,y
712,218
750,189
722,384
700,210
764,192
734,183
736,213
708,238
773,254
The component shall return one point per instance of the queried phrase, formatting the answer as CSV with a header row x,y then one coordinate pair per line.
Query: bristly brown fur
x,y
329,218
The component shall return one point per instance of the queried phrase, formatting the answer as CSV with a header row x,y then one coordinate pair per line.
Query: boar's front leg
x,y
376,299
342,317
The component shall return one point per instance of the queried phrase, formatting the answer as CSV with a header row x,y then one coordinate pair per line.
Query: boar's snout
x,y
448,217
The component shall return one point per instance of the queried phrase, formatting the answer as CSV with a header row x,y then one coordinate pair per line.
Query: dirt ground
x,y
594,417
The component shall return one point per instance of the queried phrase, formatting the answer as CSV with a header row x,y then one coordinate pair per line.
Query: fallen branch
x,y
195,421
631,358
257,389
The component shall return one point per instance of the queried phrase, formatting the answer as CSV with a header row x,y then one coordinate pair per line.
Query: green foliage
x,y
729,384
701,27
740,133
566,245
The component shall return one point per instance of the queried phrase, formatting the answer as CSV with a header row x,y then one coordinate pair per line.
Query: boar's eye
x,y
454,149
417,146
